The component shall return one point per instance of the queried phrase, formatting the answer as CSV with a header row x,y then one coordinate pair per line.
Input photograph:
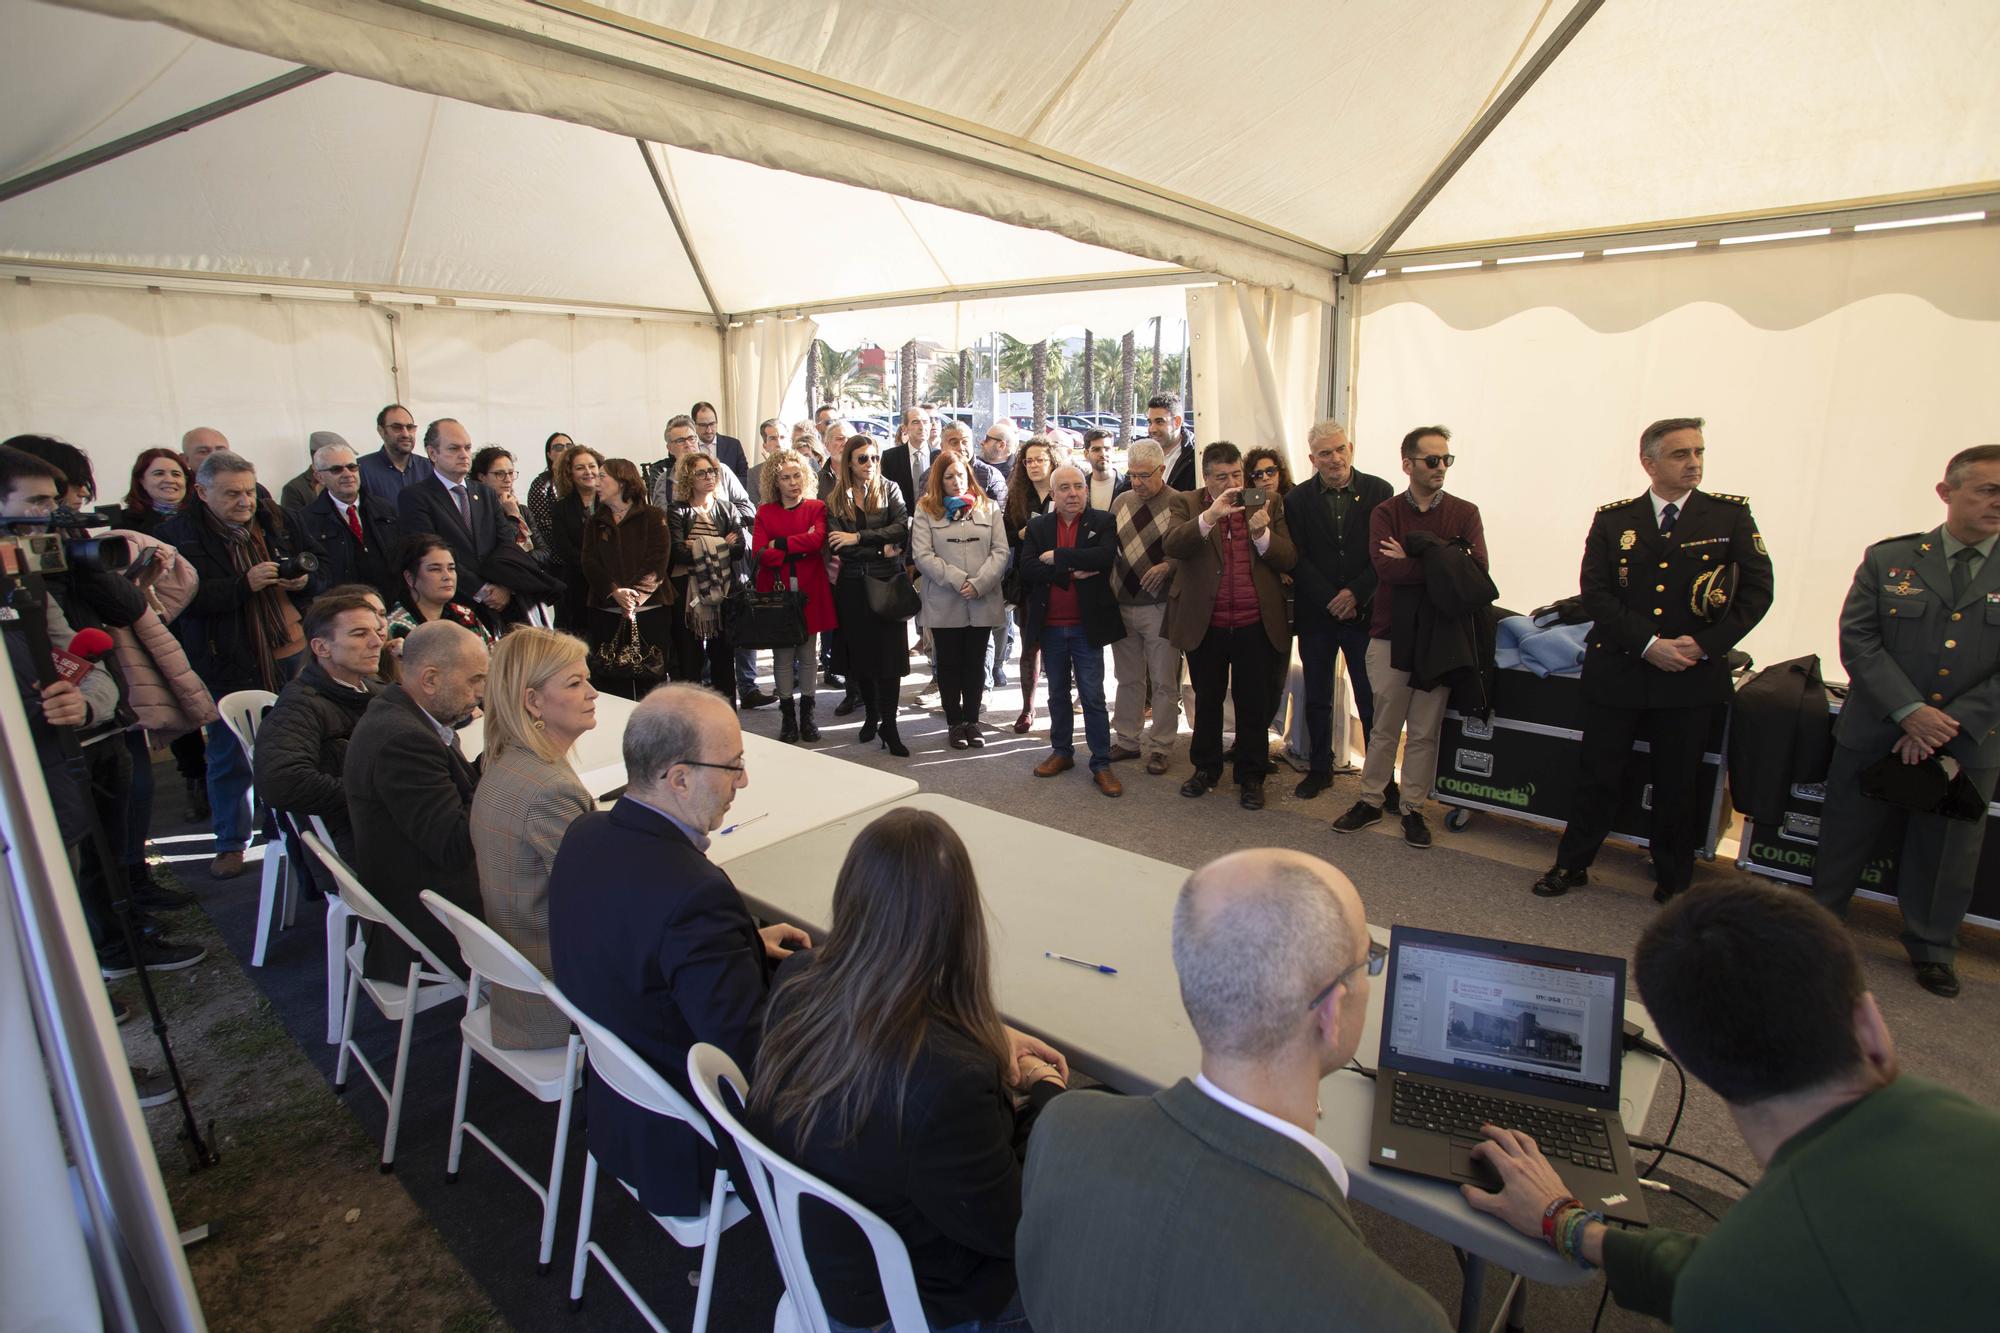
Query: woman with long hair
x,y
709,541
868,531
959,540
788,544
575,487
1265,467
539,701
885,1070
1027,496
543,491
626,547
430,583
159,488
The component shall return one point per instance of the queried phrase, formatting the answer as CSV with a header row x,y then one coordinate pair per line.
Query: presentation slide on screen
x,y
1483,1012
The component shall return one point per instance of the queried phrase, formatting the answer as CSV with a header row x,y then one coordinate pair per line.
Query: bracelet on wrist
x,y
1553,1211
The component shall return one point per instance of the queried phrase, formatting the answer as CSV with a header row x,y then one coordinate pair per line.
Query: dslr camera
x,y
295,566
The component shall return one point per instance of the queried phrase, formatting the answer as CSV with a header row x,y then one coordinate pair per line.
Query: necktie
x,y
354,524
1668,513
464,505
1961,571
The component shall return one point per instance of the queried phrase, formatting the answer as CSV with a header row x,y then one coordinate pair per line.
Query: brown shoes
x,y
1107,782
1157,765
1120,753
226,866
1054,764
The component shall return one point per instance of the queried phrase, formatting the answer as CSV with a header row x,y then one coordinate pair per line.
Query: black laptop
x,y
1478,1031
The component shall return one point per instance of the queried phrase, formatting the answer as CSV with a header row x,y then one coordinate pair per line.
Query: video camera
x,y
62,541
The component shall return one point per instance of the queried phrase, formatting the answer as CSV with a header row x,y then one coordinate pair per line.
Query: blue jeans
x,y
1317,649
1013,1319
1000,646
746,671
1066,652
228,789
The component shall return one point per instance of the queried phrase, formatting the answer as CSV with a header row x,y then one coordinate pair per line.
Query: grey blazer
x,y
1173,1212
523,807
947,554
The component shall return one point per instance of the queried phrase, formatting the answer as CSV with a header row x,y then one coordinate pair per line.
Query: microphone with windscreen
x,y
85,647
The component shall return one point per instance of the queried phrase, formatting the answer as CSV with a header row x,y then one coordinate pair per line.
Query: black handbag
x,y
754,619
892,598
626,655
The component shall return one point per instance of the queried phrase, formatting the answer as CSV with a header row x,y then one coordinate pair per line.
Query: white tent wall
x,y
764,359
118,370
1837,376
1258,359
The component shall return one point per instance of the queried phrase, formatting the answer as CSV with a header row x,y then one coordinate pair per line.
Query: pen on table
x,y
1095,967
733,827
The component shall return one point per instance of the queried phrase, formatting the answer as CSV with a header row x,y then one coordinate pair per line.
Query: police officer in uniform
x,y
1672,580
1920,638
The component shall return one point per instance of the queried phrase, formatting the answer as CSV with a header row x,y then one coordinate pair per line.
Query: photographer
x,y
83,598
244,628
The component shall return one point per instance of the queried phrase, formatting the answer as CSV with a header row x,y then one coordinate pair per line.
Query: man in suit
x,y
1164,428
1217,1190
409,794
909,457
1065,561
358,534
389,470
1655,583
650,938
463,511
1226,611
728,450
1335,584
1920,638
1106,482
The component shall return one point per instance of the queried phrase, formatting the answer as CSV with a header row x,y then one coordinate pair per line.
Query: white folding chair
x,y
632,1078
780,1186
337,917
549,1075
430,984
243,712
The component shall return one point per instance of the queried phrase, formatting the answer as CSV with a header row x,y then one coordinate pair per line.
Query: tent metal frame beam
x,y
1170,277
1468,144
152,134
1707,232
673,208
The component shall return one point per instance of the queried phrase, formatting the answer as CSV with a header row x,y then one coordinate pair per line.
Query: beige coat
x,y
161,687
522,808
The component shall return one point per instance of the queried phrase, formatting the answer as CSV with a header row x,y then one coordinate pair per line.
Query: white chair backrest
x,y
243,712
780,1186
624,1071
485,952
362,903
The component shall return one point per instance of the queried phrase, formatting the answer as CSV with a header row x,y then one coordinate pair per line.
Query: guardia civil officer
x,y
1920,638
1671,580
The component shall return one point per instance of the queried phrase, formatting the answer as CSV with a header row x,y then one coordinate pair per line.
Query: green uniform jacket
x,y
1173,1212
1905,639
1876,1217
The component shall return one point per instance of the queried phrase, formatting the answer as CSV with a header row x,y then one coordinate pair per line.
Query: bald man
x,y
1274,960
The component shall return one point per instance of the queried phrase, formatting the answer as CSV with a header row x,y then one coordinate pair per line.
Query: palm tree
x,y
813,399
942,387
1157,322
1089,371
838,374
1039,377
964,395
1127,365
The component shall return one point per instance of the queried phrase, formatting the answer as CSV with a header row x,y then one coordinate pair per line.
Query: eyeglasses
x,y
863,458
1434,460
737,767
701,472
1263,471
996,439
341,467
1378,954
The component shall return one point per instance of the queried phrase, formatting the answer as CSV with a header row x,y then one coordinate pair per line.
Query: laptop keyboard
x,y
1560,1135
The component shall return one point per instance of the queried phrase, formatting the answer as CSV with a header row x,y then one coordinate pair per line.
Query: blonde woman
x,y
788,545
539,700
959,541
709,541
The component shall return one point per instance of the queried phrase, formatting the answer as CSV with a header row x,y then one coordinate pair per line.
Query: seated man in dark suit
x,y
465,512
357,534
409,794
1216,1190
1072,614
650,938
1875,1209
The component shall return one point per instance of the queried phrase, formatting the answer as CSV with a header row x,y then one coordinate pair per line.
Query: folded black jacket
x,y
1780,733
1445,637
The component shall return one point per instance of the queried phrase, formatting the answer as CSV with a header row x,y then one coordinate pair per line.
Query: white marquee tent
x,y
1543,221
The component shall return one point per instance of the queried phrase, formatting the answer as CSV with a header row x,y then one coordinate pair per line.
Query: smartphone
x,y
1253,497
139,568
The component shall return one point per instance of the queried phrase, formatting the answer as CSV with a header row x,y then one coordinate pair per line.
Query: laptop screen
x,y
1514,1017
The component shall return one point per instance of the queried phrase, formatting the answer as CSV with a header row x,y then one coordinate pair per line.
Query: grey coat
x,y
947,554
520,812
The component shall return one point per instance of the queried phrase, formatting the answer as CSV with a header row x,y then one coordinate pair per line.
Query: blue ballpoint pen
x,y
733,827
1095,967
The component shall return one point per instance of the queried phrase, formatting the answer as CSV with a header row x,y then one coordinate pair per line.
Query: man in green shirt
x,y
1875,1208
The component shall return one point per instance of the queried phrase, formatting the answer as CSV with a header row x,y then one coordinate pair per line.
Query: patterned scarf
x,y
266,607
1142,543
713,576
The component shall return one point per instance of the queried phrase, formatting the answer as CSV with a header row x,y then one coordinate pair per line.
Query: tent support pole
x,y
166,129
1338,387
680,229
1468,143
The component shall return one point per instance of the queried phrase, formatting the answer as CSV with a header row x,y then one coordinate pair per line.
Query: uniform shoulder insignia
x,y
1906,537
1618,504
1732,499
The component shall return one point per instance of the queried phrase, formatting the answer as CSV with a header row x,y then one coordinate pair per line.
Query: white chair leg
x,y
408,1028
552,1200
458,1113
347,1029
267,904
710,1243
337,917
289,876
583,1231
787,1319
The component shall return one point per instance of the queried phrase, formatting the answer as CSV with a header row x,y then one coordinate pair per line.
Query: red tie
x,y
354,525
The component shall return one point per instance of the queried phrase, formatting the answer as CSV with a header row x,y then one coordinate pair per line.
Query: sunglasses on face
x,y
1263,472
863,458
342,467
1434,460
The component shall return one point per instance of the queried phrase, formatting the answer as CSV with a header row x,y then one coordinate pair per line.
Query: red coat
x,y
782,533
